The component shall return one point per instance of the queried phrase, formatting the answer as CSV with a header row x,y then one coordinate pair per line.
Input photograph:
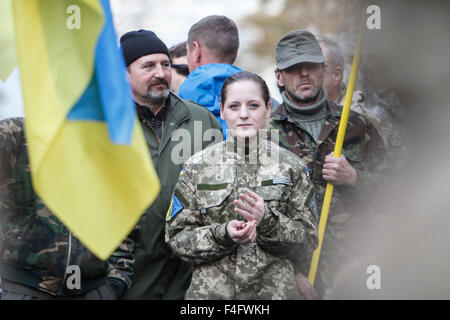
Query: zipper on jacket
x,y
149,125
69,249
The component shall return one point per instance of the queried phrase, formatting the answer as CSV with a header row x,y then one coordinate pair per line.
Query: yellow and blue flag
x,y
89,160
175,207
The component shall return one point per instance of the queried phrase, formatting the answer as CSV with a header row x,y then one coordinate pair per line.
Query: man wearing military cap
x,y
308,125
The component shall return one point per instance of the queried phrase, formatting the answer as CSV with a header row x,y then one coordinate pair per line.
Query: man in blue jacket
x,y
212,47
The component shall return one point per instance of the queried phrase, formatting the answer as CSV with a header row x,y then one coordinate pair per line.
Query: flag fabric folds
x,y
89,160
7,44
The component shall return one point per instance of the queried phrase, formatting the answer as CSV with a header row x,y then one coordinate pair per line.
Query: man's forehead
x,y
154,57
304,64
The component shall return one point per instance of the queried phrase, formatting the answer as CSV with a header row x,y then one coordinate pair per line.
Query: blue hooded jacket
x,y
204,84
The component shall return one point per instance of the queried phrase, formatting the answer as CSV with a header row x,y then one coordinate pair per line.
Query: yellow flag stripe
x,y
97,189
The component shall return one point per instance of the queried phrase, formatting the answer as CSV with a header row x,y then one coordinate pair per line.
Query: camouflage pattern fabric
x,y
350,213
286,235
16,291
385,113
35,247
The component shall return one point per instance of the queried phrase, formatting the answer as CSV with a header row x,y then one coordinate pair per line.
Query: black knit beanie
x,y
136,44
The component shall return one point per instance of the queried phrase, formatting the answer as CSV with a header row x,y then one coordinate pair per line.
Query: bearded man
x,y
164,117
307,123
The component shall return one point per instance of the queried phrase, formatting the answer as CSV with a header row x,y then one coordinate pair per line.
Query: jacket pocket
x,y
212,202
274,190
212,195
273,187
353,152
32,243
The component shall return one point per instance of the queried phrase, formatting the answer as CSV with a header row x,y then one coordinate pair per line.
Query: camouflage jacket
x,y
350,212
203,205
36,249
385,112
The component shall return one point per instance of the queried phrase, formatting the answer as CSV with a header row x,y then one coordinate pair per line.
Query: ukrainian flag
x,y
89,160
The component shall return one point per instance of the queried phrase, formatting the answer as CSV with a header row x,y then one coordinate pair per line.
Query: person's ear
x,y
128,74
279,78
197,50
269,106
337,75
221,112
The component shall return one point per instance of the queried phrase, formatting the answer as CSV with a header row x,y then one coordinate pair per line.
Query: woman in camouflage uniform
x,y
240,211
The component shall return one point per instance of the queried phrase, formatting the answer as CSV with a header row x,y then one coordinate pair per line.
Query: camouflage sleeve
x,y
291,234
373,169
11,138
120,266
187,235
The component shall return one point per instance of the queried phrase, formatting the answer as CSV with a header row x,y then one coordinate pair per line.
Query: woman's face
x,y
244,109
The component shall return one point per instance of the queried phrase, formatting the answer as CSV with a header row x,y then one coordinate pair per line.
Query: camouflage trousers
x,y
16,291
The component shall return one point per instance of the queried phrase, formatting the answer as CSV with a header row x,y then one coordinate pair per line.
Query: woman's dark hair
x,y
245,75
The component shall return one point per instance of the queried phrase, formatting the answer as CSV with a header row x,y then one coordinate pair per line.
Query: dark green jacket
x,y
35,247
159,274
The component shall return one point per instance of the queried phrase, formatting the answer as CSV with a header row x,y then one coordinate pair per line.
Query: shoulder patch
x,y
281,180
308,173
175,207
276,180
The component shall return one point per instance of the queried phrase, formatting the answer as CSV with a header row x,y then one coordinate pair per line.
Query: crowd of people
x,y
237,216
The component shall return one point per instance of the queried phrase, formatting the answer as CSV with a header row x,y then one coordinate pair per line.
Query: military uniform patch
x,y
308,173
281,180
276,180
174,208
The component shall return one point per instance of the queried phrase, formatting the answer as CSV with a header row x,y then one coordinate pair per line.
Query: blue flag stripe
x,y
108,96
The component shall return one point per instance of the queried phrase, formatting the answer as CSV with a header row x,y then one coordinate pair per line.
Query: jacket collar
x,y
253,153
204,84
280,114
178,109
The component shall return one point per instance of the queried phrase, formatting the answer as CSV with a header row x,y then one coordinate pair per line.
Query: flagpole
x,y
337,151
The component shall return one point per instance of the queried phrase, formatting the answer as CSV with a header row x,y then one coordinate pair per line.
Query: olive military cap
x,y
296,47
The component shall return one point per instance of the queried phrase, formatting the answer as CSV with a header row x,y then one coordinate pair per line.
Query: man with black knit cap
x,y
308,125
165,118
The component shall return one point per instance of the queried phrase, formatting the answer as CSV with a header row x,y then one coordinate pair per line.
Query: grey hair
x,y
336,56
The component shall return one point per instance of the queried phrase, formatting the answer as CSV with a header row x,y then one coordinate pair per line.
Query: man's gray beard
x,y
157,98
301,99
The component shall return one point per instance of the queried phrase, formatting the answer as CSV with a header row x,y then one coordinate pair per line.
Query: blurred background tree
x,y
337,19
